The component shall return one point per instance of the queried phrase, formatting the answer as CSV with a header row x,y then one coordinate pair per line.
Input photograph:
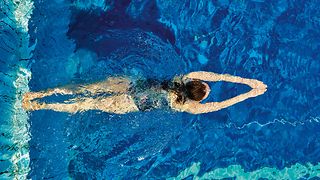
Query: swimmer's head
x,y
197,90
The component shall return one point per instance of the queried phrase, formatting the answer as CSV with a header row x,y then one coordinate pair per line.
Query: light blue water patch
x,y
256,55
203,44
91,4
135,9
79,62
202,59
211,7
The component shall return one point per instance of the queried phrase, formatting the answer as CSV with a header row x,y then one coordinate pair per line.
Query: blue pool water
x,y
45,44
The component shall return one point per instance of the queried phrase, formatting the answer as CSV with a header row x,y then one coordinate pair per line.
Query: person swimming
x,y
182,94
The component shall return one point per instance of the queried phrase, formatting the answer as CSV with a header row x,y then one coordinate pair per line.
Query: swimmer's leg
x,y
81,104
111,85
30,96
119,104
35,95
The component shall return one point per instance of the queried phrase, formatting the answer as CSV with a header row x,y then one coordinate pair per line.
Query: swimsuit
x,y
148,94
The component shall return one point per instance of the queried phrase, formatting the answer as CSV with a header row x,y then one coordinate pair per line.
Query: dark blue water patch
x,y
219,16
86,24
229,90
55,99
133,50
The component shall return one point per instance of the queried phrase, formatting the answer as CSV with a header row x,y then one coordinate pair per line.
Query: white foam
x,y
20,127
275,121
22,13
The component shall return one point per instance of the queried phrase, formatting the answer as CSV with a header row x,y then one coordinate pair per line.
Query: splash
x,y
22,13
278,121
20,128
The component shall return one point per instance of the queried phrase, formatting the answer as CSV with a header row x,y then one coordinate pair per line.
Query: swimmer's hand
x,y
256,84
256,92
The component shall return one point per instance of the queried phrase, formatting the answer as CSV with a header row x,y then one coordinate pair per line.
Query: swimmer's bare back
x,y
121,102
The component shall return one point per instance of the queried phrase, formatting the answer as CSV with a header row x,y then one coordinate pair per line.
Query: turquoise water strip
x,y
15,54
295,171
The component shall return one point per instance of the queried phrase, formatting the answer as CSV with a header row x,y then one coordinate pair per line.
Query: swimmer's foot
x,y
26,101
29,105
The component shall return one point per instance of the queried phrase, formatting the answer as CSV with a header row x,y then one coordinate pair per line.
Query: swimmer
x,y
182,94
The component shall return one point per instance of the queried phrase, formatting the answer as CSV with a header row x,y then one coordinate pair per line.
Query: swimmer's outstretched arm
x,y
209,76
198,108
258,88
